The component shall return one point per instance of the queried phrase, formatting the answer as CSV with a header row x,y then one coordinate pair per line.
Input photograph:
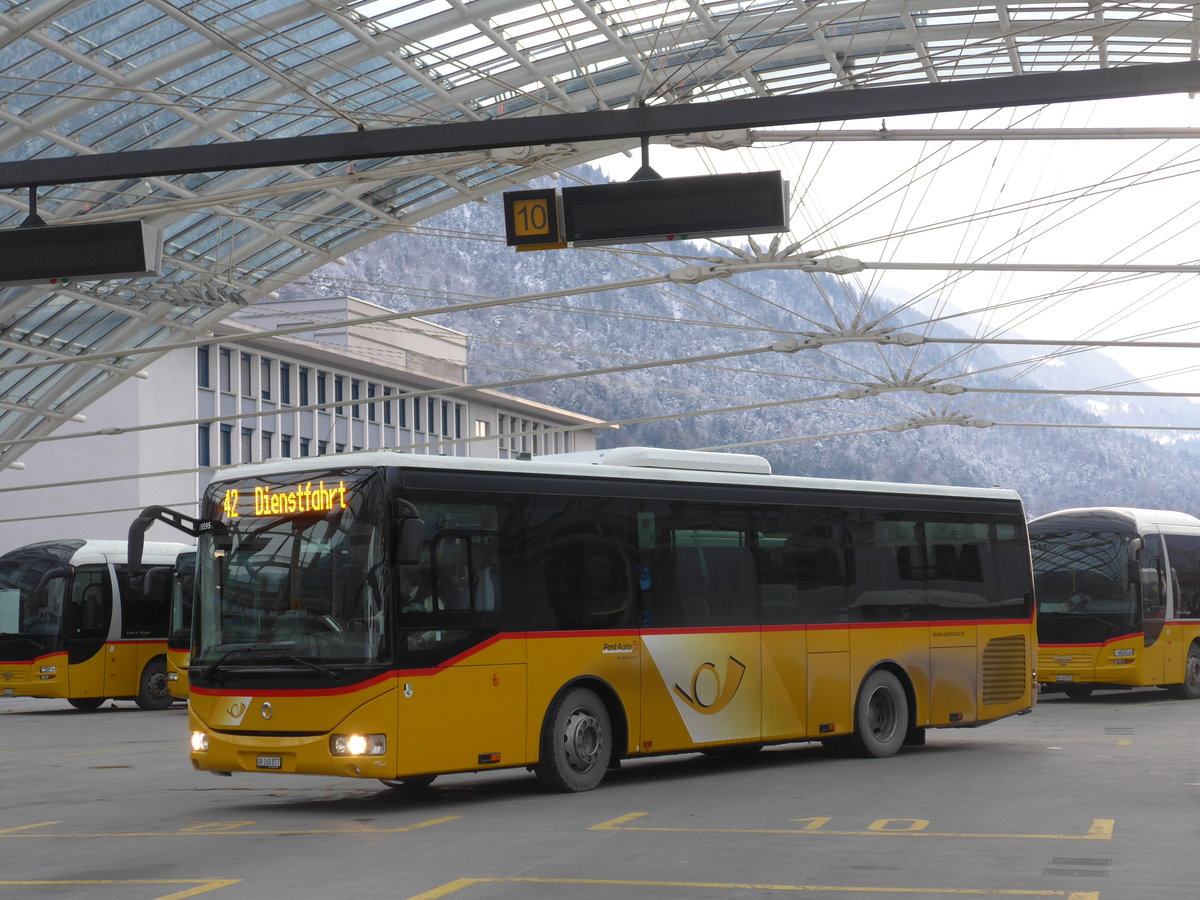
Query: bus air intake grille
x,y
1005,669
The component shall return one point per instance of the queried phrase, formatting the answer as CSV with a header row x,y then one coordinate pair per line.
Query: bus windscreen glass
x,y
298,578
1081,580
31,606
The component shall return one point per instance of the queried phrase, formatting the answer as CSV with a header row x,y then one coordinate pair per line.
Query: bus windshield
x,y
1081,579
304,587
31,604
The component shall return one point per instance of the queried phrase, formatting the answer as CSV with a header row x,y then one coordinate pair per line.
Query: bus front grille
x,y
1005,669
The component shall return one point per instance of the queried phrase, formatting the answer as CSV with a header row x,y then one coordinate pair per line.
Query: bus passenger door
x,y
701,670
1155,594
89,613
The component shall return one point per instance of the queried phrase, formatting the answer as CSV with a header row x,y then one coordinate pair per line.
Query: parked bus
x,y
1118,599
395,616
72,628
179,630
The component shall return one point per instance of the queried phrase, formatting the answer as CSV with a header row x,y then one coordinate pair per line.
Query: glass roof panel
x,y
121,75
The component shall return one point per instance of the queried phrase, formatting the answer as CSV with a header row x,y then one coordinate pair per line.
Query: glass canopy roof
x,y
101,76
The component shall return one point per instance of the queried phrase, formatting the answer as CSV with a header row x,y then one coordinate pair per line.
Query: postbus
x,y
71,627
395,616
179,630
1118,600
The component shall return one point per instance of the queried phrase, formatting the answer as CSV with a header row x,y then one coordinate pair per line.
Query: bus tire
x,y
1190,688
87,704
880,716
152,691
409,783
576,742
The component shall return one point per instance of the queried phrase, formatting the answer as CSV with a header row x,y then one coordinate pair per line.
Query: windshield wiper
x,y
212,667
312,664
271,652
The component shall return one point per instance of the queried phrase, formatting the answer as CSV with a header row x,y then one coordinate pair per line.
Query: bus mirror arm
x,y
152,514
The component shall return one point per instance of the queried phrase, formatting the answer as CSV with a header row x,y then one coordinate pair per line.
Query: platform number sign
x,y
531,220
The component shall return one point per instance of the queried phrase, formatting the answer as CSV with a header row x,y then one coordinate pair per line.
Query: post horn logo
x,y
236,710
710,692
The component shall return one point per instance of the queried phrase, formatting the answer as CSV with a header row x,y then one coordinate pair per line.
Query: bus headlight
x,y
199,742
1123,653
358,744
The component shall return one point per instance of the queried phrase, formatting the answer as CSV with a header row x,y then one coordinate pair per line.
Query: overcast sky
x,y
1105,202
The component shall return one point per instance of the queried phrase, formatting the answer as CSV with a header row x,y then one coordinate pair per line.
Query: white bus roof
x,y
94,552
1140,519
638,463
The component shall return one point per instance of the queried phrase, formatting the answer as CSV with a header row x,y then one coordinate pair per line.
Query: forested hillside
x,y
1052,467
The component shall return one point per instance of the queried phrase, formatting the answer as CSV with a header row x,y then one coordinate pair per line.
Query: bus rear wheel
x,y
153,693
87,704
576,742
880,716
1190,689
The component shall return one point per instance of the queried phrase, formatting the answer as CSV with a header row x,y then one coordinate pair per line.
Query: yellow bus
x,y
1118,600
72,628
395,616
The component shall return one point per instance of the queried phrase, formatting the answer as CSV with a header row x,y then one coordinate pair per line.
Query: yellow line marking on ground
x,y
219,828
90,752
1100,830
459,884
25,827
201,885
1127,742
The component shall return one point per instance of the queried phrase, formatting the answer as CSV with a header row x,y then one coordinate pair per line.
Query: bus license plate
x,y
1064,677
10,692
269,762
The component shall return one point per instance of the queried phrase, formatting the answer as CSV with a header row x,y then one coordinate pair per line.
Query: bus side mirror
x,y
410,534
49,576
156,582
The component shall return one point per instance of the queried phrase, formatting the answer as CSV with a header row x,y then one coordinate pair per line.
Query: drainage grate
x,y
1118,731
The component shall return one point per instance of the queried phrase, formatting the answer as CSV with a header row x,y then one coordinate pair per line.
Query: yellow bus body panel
x,y
676,691
114,671
25,679
177,673
1161,663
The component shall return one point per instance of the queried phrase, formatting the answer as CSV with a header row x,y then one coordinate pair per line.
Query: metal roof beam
x,y
1020,90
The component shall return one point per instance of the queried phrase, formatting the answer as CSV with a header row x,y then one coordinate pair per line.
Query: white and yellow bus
x,y
1118,599
393,616
72,628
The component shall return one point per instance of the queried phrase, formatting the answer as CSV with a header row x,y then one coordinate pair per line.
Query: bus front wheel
x,y
1190,689
87,704
576,742
880,716
153,693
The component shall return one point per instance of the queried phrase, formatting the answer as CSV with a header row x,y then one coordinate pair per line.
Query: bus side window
x,y
89,603
143,613
581,564
1184,553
